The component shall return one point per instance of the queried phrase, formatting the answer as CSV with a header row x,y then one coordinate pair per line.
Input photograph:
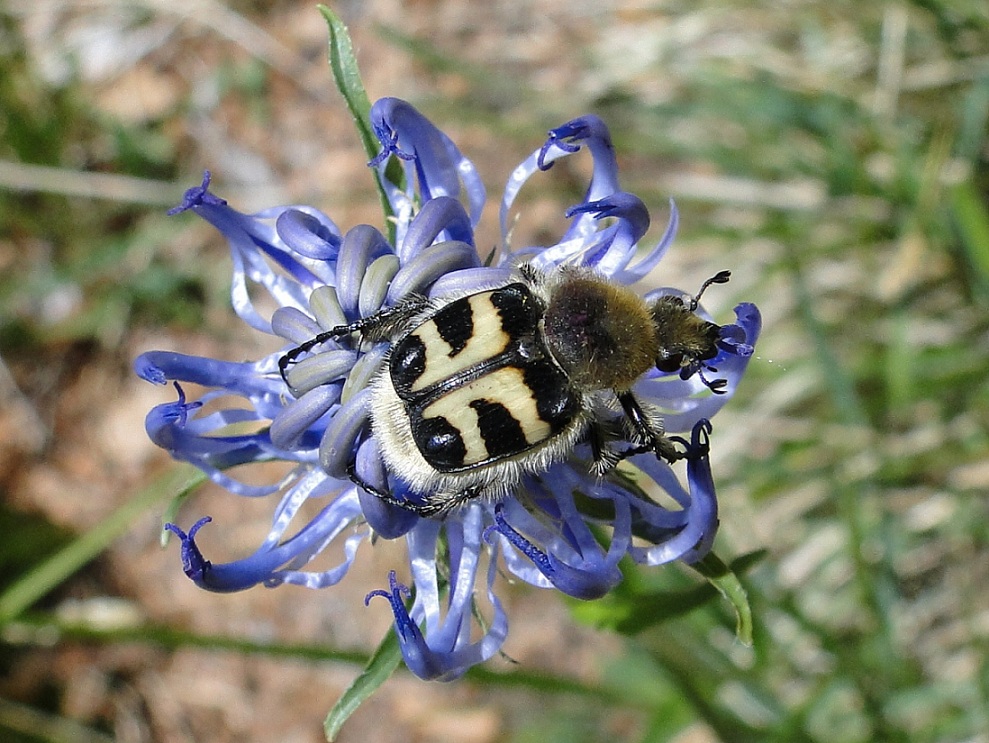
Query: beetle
x,y
481,389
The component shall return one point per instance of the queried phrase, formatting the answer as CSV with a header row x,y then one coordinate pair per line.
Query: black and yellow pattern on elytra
x,y
478,383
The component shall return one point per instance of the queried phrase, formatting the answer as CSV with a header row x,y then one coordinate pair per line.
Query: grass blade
x,y
347,76
53,571
378,670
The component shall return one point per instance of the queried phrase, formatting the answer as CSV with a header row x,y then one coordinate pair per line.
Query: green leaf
x,y
724,579
631,615
630,611
378,670
347,76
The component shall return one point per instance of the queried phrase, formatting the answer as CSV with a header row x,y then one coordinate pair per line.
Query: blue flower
x,y
317,417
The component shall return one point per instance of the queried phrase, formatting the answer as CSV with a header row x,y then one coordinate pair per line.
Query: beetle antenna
x,y
721,277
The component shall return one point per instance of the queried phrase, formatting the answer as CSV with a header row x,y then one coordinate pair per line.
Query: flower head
x,y
316,412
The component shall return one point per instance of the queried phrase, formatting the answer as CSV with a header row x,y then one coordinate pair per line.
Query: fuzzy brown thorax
x,y
599,332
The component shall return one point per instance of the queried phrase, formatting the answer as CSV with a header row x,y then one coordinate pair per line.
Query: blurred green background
x,y
833,155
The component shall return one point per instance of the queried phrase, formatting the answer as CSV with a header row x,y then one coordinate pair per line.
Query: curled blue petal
x,y
438,216
168,414
419,658
247,379
701,480
469,280
255,244
444,650
625,206
652,258
419,274
562,141
362,245
396,595
207,441
197,196
307,235
194,564
592,132
610,250
387,520
693,540
588,573
277,562
431,158
339,442
568,138
539,558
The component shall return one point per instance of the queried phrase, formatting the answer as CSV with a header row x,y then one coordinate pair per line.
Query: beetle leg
x,y
604,457
652,440
430,508
377,327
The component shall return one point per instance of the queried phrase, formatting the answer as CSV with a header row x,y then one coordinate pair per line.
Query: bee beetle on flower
x,y
477,391
482,413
